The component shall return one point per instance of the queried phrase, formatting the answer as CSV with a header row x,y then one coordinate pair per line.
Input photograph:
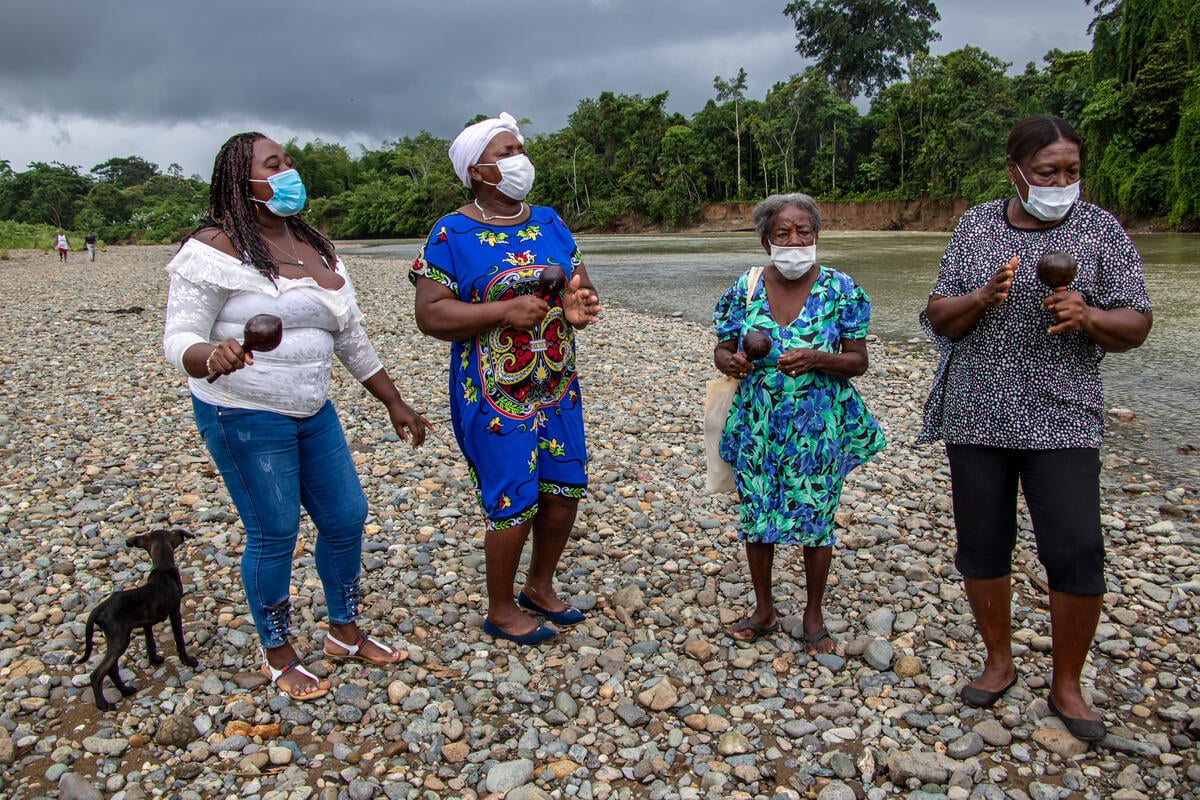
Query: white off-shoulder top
x,y
211,296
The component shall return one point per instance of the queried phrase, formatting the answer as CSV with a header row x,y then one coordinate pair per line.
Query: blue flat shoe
x,y
563,619
536,636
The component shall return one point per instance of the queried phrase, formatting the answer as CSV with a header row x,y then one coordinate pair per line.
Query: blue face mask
x,y
287,193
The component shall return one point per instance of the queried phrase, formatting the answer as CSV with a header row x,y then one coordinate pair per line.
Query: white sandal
x,y
354,651
294,666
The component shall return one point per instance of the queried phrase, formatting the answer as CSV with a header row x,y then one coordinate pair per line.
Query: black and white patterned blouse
x,y
1006,382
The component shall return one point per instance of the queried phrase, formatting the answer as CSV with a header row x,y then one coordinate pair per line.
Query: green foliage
x,y
936,127
860,44
1185,156
47,194
29,236
125,172
326,167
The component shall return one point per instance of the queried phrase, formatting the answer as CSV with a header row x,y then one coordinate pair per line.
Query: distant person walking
x,y
61,244
89,242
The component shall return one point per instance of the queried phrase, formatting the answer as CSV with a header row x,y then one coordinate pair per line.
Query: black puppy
x,y
142,607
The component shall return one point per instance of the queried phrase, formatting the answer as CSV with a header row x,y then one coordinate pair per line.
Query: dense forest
x,y
934,127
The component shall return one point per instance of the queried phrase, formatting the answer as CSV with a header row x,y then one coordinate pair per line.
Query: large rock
x,y
659,697
76,787
176,730
100,746
836,791
1059,741
629,598
926,766
509,775
878,654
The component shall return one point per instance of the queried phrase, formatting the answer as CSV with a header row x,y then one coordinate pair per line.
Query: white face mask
x,y
793,262
1048,203
516,176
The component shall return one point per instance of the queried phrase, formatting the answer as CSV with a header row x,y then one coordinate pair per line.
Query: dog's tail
x,y
91,628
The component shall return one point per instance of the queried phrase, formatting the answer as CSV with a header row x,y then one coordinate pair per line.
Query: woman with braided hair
x,y
266,417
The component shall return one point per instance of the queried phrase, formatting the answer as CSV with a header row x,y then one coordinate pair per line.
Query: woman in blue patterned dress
x,y
797,427
1018,400
514,394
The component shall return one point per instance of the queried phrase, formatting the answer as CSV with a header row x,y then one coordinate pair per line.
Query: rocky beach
x,y
648,698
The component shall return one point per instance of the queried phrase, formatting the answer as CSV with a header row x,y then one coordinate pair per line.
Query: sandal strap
x,y
351,649
294,664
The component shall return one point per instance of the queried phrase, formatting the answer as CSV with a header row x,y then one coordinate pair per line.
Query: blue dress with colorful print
x,y
792,440
514,394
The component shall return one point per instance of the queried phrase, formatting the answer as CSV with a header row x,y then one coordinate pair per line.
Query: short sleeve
x,y
435,260
1119,281
950,272
569,243
730,313
855,313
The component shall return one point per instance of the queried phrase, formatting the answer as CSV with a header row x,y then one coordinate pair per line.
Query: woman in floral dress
x,y
514,394
797,426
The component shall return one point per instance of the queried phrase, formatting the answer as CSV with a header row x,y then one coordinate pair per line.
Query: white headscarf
x,y
469,145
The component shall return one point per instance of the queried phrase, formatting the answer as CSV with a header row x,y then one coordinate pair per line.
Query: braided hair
x,y
231,209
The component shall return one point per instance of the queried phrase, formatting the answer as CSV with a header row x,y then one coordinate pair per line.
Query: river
x,y
683,274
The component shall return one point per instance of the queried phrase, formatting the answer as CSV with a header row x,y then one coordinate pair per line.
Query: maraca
x,y
1057,270
756,345
551,282
262,332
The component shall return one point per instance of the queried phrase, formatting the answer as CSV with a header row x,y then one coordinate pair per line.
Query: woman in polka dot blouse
x,y
1017,399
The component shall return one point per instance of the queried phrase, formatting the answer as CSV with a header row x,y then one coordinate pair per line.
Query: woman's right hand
x,y
525,312
732,363
995,291
227,357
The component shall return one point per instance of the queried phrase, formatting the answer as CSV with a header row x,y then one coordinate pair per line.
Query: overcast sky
x,y
82,81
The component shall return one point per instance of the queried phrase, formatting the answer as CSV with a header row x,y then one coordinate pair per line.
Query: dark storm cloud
x,y
381,68
144,74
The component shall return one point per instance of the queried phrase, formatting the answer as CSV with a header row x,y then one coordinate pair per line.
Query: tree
x,y
860,44
51,194
733,89
125,172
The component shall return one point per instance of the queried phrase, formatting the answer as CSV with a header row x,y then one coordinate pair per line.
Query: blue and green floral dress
x,y
792,440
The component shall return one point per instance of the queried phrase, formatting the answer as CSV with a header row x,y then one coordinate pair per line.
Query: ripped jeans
x,y
272,465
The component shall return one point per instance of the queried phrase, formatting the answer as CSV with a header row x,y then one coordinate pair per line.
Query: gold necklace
x,y
486,218
295,257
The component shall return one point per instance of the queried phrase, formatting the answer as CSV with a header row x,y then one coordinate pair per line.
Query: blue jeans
x,y
272,465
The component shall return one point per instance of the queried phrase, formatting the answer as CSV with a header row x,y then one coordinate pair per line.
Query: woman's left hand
x,y
406,422
800,360
1069,310
580,306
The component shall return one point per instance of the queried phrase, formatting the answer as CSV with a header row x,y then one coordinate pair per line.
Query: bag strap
x,y
752,282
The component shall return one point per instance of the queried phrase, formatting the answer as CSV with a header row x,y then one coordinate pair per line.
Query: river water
x,y
683,274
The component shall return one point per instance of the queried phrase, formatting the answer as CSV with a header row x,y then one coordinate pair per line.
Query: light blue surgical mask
x,y
287,193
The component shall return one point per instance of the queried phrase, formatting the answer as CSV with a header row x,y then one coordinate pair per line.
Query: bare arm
x,y
1116,329
954,317
730,361
849,363
442,315
404,420
581,304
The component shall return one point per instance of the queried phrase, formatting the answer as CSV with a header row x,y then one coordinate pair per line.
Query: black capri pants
x,y
1062,493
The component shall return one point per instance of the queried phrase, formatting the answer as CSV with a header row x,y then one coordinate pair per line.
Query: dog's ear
x,y
186,534
136,541
175,536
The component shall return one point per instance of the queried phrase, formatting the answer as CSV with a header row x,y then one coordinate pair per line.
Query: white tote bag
x,y
718,399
